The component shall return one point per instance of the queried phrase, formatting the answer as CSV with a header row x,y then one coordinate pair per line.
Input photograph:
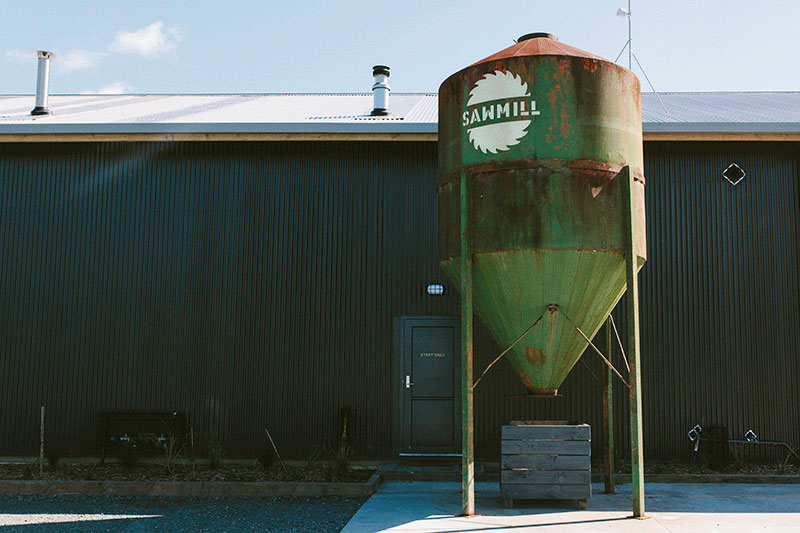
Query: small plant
x,y
215,453
738,457
783,464
266,457
53,456
312,458
27,472
172,446
338,467
128,456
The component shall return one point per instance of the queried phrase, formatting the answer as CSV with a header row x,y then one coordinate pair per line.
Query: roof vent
x,y
537,35
380,91
42,82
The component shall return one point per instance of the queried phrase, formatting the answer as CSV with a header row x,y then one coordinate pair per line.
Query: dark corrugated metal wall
x,y
250,285
719,308
254,284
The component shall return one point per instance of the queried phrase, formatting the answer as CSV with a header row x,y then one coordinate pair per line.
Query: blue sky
x,y
239,46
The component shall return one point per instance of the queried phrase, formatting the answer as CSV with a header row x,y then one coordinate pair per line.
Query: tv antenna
x,y
626,13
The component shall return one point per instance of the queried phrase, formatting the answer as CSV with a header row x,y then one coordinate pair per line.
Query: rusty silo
x,y
541,206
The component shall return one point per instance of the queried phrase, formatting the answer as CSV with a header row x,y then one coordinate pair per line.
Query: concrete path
x,y
433,506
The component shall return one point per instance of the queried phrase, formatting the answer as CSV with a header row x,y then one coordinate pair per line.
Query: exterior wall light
x,y
435,289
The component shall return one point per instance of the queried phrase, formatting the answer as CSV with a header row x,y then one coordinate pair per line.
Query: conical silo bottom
x,y
512,288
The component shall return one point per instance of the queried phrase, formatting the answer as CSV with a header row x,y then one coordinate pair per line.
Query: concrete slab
x,y
433,506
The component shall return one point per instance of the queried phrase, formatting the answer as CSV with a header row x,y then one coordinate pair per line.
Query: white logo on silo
x,y
499,111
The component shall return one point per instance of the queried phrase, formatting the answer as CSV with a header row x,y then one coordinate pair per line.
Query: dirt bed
x,y
658,467
181,472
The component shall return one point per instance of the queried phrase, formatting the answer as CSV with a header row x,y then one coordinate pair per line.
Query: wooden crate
x,y
546,462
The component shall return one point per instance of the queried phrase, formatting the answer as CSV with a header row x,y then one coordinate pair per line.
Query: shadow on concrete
x,y
435,506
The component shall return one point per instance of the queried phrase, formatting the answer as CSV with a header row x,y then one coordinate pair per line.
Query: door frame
x,y
399,324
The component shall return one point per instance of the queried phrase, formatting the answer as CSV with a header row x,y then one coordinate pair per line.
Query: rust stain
x,y
590,64
534,355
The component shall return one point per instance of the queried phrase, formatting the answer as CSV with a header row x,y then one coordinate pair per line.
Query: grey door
x,y
427,381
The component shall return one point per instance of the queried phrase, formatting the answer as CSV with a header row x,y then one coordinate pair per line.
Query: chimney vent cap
x,y
537,35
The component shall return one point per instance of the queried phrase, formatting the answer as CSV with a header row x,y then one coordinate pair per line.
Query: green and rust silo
x,y
547,136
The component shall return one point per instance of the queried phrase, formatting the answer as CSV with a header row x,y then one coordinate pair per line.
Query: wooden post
x,y
608,413
467,422
632,304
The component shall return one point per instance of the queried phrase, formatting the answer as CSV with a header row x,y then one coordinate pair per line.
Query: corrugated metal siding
x,y
723,347
253,285
719,308
249,285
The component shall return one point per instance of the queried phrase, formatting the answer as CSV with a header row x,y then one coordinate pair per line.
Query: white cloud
x,y
18,56
80,59
118,87
149,41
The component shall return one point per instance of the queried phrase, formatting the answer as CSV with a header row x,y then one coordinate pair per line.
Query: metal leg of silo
x,y
632,304
467,421
608,414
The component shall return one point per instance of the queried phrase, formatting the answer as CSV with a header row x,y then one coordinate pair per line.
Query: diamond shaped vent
x,y
734,174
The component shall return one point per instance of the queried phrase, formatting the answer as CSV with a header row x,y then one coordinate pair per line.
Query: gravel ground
x,y
110,513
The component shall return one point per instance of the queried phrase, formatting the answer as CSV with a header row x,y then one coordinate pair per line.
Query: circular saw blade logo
x,y
499,111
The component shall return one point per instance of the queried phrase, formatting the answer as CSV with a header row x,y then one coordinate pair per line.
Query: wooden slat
x,y
538,423
582,432
546,477
557,492
543,447
547,462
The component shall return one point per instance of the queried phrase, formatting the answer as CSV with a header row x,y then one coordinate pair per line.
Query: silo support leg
x,y
608,414
632,301
467,422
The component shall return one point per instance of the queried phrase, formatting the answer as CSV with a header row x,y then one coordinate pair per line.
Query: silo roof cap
x,y
539,44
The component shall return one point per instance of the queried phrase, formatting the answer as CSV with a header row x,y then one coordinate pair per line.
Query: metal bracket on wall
x,y
734,173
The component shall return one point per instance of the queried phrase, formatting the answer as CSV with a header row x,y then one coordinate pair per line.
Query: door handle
x,y
408,381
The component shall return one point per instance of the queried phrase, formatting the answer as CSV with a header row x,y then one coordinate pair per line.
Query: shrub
x,y
128,456
171,450
53,456
266,457
215,453
337,468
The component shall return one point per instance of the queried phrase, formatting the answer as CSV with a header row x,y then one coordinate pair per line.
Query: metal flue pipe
x,y
380,91
42,83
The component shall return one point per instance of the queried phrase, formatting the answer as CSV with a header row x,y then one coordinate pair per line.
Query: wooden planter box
x,y
546,462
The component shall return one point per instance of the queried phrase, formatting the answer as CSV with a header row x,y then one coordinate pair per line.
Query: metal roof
x,y
349,113
722,112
